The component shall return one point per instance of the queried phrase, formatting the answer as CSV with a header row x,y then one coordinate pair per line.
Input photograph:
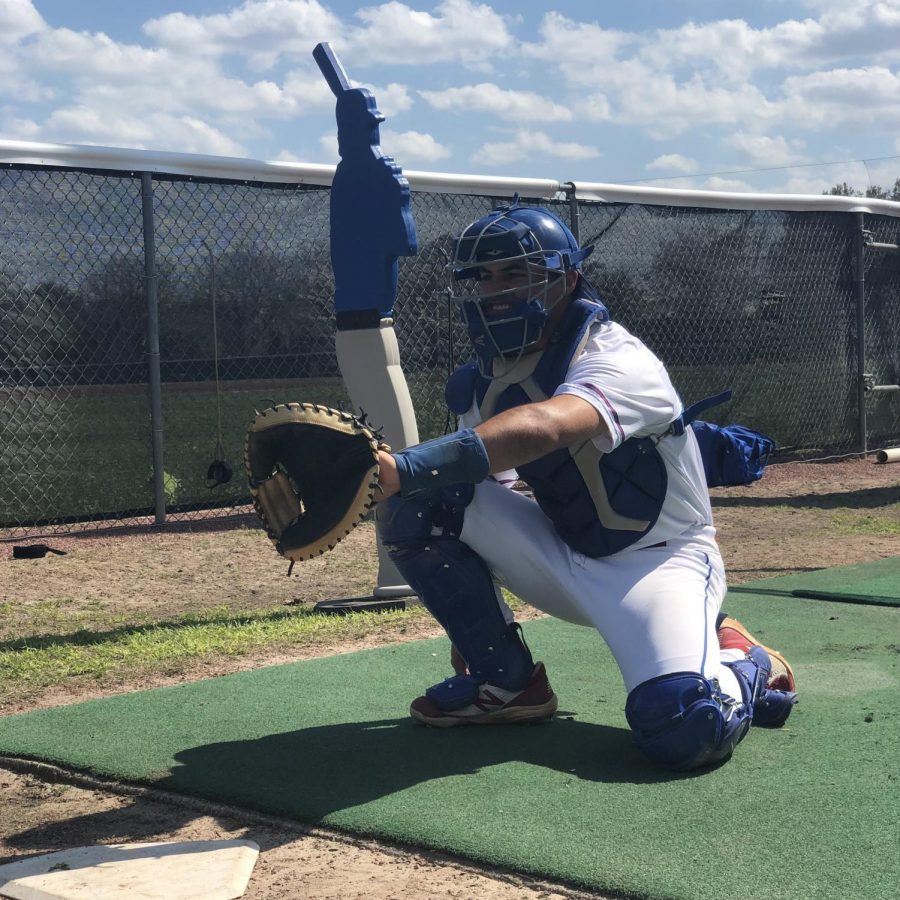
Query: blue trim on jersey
x,y
706,614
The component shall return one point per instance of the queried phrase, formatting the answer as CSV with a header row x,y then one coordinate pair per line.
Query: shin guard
x,y
421,537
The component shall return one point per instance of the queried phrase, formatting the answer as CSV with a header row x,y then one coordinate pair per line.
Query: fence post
x,y
859,282
574,211
151,285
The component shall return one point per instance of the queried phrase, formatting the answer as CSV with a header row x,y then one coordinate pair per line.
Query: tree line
x,y
875,191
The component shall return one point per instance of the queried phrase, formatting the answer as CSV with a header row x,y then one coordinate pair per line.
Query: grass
x,y
874,525
32,664
42,662
86,456
90,456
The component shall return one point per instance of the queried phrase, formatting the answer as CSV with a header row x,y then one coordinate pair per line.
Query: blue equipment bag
x,y
732,454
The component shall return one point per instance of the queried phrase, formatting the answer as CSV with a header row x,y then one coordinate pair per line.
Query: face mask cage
x,y
505,286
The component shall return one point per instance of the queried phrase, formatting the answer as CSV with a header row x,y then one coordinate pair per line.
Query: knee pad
x,y
421,536
682,721
411,521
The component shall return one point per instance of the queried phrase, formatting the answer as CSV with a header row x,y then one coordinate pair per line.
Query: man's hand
x,y
388,480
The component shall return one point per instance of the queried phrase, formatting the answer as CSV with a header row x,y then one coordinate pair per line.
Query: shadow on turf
x,y
315,771
307,774
868,498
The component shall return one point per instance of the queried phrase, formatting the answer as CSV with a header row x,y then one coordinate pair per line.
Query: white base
x,y
183,870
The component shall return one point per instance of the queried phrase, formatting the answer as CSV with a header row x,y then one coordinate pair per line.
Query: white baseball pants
x,y
656,608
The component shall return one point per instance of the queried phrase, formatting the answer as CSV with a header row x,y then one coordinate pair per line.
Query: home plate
x,y
181,870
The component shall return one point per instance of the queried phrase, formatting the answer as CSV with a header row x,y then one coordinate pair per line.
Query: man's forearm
x,y
525,433
505,441
516,437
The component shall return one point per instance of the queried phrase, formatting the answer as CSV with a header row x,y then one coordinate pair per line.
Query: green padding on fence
x,y
806,811
876,583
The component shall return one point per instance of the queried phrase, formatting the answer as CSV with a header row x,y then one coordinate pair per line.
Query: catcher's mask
x,y
517,256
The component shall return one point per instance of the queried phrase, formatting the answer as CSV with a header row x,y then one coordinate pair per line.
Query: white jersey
x,y
631,390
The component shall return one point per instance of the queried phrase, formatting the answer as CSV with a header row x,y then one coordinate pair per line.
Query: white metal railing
x,y
201,166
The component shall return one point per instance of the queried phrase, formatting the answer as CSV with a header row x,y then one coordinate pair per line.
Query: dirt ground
x,y
798,518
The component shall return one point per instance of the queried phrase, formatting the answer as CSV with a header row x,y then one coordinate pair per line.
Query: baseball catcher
x,y
619,534
313,472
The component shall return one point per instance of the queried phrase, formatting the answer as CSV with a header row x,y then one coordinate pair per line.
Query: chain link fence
x,y
764,302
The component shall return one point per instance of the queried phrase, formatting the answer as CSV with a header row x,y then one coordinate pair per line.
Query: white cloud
x,y
457,31
860,28
392,99
731,48
18,20
288,156
159,131
763,151
530,145
584,51
84,54
672,163
107,76
21,89
311,87
310,93
17,129
701,72
717,183
405,146
881,172
412,146
329,144
596,108
263,31
665,108
840,97
516,106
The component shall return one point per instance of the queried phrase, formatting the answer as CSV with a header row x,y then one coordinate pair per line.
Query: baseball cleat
x,y
463,701
735,636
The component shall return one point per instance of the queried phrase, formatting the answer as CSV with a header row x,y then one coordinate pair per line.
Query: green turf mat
x,y
876,583
806,811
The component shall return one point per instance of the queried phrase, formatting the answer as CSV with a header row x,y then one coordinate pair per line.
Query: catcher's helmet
x,y
507,315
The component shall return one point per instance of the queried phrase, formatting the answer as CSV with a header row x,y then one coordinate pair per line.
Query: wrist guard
x,y
451,459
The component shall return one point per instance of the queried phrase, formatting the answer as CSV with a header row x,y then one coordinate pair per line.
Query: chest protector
x,y
599,503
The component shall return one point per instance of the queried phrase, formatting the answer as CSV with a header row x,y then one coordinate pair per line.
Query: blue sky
x,y
772,95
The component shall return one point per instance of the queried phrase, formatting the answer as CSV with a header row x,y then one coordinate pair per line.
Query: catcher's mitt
x,y
313,473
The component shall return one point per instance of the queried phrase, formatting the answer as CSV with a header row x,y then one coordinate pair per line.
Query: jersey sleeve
x,y
626,383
